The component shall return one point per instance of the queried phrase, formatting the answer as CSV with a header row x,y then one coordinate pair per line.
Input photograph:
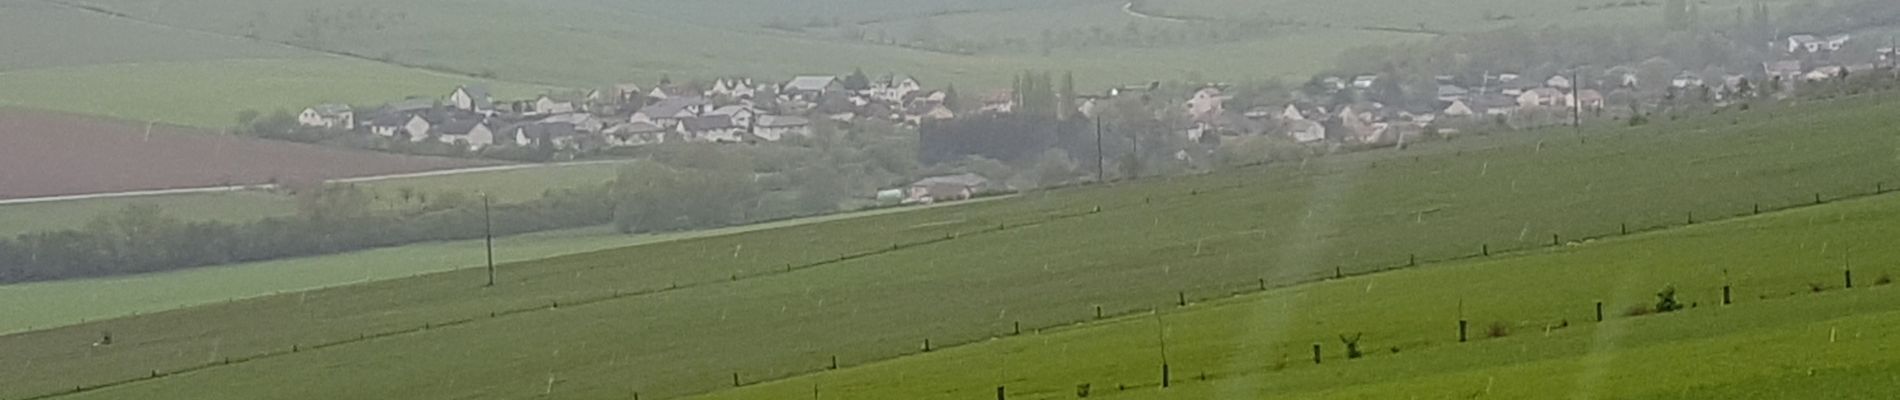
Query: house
x,y
388,125
417,127
1590,99
776,127
947,188
733,88
1558,81
1542,97
810,87
582,122
1813,44
328,116
667,91
740,115
668,112
557,135
1452,93
1623,75
471,133
1001,101
1207,103
711,128
627,93
1786,70
634,134
1458,108
1516,87
548,104
1824,73
894,88
1305,131
471,98
1494,105
1364,81
1508,77
1259,113
928,112
1142,88
1686,79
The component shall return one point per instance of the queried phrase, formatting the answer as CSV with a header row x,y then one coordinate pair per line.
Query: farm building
x,y
328,116
947,188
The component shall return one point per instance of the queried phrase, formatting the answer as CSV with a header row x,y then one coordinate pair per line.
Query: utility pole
x,y
488,232
1134,156
1161,336
1101,169
1576,100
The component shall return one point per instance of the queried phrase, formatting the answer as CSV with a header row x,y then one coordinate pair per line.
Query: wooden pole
x,y
1462,326
488,233
1726,300
1316,353
1599,311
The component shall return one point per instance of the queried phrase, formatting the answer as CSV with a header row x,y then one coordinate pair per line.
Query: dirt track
x,y
53,154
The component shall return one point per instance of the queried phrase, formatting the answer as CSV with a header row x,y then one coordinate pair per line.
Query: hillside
x,y
1532,328
683,317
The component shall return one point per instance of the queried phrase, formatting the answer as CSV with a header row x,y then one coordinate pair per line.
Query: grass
x,y
1258,346
229,207
1446,15
84,38
46,305
585,324
210,93
507,186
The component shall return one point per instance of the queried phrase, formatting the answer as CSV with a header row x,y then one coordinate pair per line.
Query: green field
x,y
508,186
606,324
1445,15
49,304
1259,346
230,207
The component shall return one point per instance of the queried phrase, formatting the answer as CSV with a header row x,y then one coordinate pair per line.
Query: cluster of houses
x,y
727,110
1806,58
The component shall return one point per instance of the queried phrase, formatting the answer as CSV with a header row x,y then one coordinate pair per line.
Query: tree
x,y
951,100
857,80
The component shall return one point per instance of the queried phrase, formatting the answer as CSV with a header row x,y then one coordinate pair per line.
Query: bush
x,y
1884,280
1666,300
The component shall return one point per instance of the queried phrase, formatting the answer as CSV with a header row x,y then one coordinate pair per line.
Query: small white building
x,y
472,99
947,188
328,116
775,127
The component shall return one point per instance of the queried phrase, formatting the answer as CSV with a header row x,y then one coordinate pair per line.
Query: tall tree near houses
x,y
1066,103
950,99
857,80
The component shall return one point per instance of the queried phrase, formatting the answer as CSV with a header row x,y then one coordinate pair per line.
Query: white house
x,y
1558,81
1458,108
775,127
417,128
1542,97
471,98
1365,81
549,105
1206,103
893,89
328,116
471,133
736,88
740,115
1812,44
667,113
810,87
635,134
1686,80
1305,131
711,128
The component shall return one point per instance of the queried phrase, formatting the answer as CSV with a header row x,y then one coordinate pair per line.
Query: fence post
x,y
926,345
1850,278
834,362
1462,326
1626,228
1165,376
1817,197
1692,218
1487,249
1019,328
1263,284
735,379
1316,353
1338,273
1412,262
1181,299
1554,240
999,393
1725,295
1599,311
1757,208
1098,312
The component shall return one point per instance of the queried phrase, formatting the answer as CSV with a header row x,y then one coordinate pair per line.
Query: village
x,y
1335,110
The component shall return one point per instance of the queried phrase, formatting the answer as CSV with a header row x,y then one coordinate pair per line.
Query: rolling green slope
x,y
1778,340
682,317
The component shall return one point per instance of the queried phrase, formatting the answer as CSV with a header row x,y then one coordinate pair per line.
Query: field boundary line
x,y
270,186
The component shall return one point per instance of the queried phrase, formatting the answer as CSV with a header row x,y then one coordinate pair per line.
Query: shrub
x,y
1816,287
1884,280
1498,330
1082,391
1666,300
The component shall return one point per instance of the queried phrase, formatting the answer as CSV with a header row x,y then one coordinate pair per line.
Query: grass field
x,y
48,304
505,187
1775,342
211,93
606,324
1445,15
229,207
